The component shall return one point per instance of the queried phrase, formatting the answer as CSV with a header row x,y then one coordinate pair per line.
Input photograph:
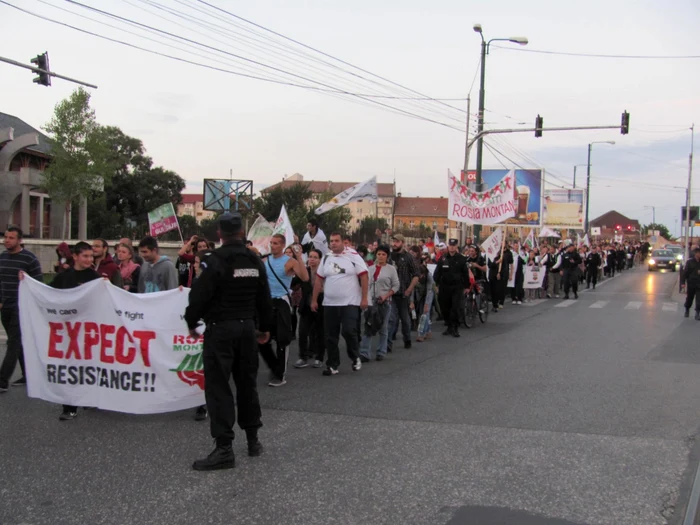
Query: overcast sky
x,y
203,123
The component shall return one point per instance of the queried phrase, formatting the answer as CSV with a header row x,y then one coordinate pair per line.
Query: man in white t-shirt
x,y
314,238
344,283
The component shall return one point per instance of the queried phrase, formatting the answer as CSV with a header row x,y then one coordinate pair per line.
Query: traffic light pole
x,y
49,73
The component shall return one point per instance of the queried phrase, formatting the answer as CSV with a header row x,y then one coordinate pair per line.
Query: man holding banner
x,y
230,294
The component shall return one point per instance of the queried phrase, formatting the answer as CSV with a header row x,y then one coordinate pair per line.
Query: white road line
x,y
670,307
564,304
599,304
633,305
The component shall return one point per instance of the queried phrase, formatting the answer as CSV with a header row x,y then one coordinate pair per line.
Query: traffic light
x,y
629,227
618,227
625,123
539,121
42,62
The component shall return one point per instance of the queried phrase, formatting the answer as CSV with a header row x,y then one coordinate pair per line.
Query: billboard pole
x,y
686,248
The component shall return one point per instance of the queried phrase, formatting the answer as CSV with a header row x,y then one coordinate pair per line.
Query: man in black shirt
x,y
690,277
451,277
13,261
570,260
81,273
477,264
229,295
499,275
593,263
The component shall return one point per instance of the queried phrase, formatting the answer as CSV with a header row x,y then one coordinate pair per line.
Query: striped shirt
x,y
10,266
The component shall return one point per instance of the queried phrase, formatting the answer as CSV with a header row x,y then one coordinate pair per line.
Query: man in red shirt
x,y
104,264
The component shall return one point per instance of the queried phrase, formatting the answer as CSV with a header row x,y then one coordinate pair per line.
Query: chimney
x,y
399,194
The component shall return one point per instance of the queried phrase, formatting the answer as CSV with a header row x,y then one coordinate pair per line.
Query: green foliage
x,y
663,230
188,226
368,228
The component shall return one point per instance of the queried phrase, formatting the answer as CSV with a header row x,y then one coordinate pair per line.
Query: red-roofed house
x,y
411,212
193,204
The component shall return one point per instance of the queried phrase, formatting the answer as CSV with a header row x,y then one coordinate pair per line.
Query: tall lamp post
x,y
588,177
578,166
653,213
480,127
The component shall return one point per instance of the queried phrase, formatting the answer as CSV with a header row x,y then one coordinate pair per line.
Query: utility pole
x,y
480,129
686,249
463,230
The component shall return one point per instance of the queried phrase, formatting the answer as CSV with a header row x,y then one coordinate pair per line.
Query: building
x,y
193,204
25,153
383,208
613,222
410,213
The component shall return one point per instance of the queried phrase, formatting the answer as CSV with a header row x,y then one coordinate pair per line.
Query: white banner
x,y
492,206
284,227
492,245
362,191
100,346
534,277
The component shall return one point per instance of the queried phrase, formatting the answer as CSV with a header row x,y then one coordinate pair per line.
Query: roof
x,y
384,189
192,198
612,219
421,206
22,128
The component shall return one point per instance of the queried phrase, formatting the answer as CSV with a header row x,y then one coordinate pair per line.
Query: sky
x,y
204,123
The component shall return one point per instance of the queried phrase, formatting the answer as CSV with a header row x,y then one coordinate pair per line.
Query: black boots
x,y
220,458
255,448
687,313
697,315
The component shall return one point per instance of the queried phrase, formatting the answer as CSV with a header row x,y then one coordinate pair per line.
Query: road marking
x,y
564,304
535,302
670,307
599,304
633,305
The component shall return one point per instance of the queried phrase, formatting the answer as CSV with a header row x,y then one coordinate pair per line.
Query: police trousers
x,y
231,350
450,299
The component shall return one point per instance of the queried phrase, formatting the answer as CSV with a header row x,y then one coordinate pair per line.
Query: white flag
x,y
578,240
530,240
284,227
436,239
366,190
492,245
586,240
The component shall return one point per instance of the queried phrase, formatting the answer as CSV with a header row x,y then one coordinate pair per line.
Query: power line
x,y
593,55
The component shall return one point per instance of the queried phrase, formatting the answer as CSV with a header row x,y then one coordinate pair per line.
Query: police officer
x,y
570,261
230,294
451,276
593,263
690,277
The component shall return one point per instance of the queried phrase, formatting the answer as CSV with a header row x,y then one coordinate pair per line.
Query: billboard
x,y
528,193
693,213
222,194
563,208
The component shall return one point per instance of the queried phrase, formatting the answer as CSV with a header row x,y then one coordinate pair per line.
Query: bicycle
x,y
476,303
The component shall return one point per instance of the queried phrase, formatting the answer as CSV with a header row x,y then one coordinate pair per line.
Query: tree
x,y
368,228
188,226
293,197
81,165
663,230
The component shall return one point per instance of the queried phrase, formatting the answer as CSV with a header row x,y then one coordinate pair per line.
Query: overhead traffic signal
x,y
42,62
618,227
625,123
539,122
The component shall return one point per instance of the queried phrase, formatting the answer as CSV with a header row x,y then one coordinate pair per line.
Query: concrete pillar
x,y
24,212
82,218
40,218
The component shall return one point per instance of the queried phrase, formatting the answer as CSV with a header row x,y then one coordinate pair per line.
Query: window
x,y
446,224
411,224
435,225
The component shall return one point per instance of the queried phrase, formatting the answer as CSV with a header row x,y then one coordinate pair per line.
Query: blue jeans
x,y
365,345
399,312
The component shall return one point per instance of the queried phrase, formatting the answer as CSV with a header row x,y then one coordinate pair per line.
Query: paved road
x,y
554,413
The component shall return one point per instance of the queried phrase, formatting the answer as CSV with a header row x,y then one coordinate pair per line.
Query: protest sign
x,y
534,277
162,220
492,245
284,227
493,206
100,346
260,234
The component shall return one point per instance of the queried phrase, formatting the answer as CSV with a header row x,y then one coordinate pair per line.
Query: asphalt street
x,y
553,413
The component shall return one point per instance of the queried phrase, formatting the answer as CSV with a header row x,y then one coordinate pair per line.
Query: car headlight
x,y
652,261
679,257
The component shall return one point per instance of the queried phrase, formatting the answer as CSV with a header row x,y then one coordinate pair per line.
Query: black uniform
x,y
230,295
498,286
691,278
593,262
570,265
451,276
479,275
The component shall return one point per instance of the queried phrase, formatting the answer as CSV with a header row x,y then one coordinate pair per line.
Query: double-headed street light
x,y
480,144
588,176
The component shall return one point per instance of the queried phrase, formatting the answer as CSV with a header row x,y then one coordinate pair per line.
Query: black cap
x,y
453,242
230,222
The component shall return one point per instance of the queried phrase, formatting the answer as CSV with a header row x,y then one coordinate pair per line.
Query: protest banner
x,y
534,277
100,346
492,245
260,234
363,191
563,208
162,220
492,206
284,227
530,241
528,193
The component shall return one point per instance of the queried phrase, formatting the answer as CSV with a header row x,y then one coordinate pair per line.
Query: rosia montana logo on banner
x,y
191,368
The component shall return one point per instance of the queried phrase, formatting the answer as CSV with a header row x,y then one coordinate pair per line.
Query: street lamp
x,y
588,176
521,40
577,166
653,213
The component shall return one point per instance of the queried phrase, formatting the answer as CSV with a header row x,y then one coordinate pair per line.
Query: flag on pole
x,y
162,220
284,227
586,241
362,191
578,240
436,239
530,240
492,245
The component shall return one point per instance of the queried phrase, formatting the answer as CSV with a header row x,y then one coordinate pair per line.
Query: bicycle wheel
x,y
484,314
470,312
